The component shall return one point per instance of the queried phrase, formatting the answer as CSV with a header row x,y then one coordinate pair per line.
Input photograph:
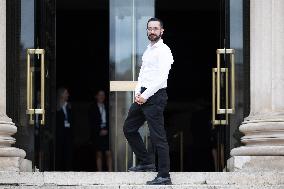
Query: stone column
x,y
264,127
11,158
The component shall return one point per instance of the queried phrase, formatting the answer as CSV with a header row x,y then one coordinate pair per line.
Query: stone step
x,y
143,187
121,180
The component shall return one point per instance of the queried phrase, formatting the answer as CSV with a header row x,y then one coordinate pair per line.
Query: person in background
x,y
64,142
99,127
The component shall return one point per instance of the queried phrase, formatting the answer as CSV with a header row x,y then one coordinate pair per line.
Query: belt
x,y
144,88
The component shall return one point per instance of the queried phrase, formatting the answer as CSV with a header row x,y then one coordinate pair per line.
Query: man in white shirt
x,y
150,101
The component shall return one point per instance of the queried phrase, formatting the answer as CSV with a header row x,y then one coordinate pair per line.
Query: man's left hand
x,y
141,100
103,132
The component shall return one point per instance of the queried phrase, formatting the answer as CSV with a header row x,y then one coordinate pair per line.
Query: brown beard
x,y
155,39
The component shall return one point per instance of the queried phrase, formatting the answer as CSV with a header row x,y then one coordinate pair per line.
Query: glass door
x,y
45,82
230,79
30,69
128,40
202,35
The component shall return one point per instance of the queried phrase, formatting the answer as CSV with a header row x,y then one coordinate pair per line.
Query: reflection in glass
x,y
25,133
236,42
128,40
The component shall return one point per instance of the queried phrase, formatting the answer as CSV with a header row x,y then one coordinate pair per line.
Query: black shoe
x,y
160,181
143,168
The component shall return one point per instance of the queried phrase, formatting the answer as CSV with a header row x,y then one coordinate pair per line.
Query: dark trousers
x,y
152,112
64,153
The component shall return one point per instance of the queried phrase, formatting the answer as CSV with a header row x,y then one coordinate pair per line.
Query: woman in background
x,y
99,127
64,144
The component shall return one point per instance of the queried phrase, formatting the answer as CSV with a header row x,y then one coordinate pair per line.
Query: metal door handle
x,y
30,91
216,88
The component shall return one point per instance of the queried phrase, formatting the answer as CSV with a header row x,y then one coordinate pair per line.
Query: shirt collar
x,y
159,43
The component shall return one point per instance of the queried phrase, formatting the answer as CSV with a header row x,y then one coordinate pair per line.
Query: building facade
x,y
203,90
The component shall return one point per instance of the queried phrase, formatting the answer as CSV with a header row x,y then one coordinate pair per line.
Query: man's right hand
x,y
103,132
137,99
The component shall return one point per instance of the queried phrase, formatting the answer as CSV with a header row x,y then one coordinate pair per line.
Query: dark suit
x,y
101,142
64,143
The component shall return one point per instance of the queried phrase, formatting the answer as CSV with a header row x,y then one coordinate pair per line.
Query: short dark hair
x,y
156,19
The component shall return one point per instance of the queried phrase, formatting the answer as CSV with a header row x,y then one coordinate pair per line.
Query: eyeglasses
x,y
154,29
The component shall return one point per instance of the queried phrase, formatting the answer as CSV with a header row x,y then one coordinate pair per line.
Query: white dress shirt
x,y
66,122
64,108
156,64
103,114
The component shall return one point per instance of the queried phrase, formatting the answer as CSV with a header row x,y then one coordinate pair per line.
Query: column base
x,y
11,158
15,164
12,152
258,151
255,163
